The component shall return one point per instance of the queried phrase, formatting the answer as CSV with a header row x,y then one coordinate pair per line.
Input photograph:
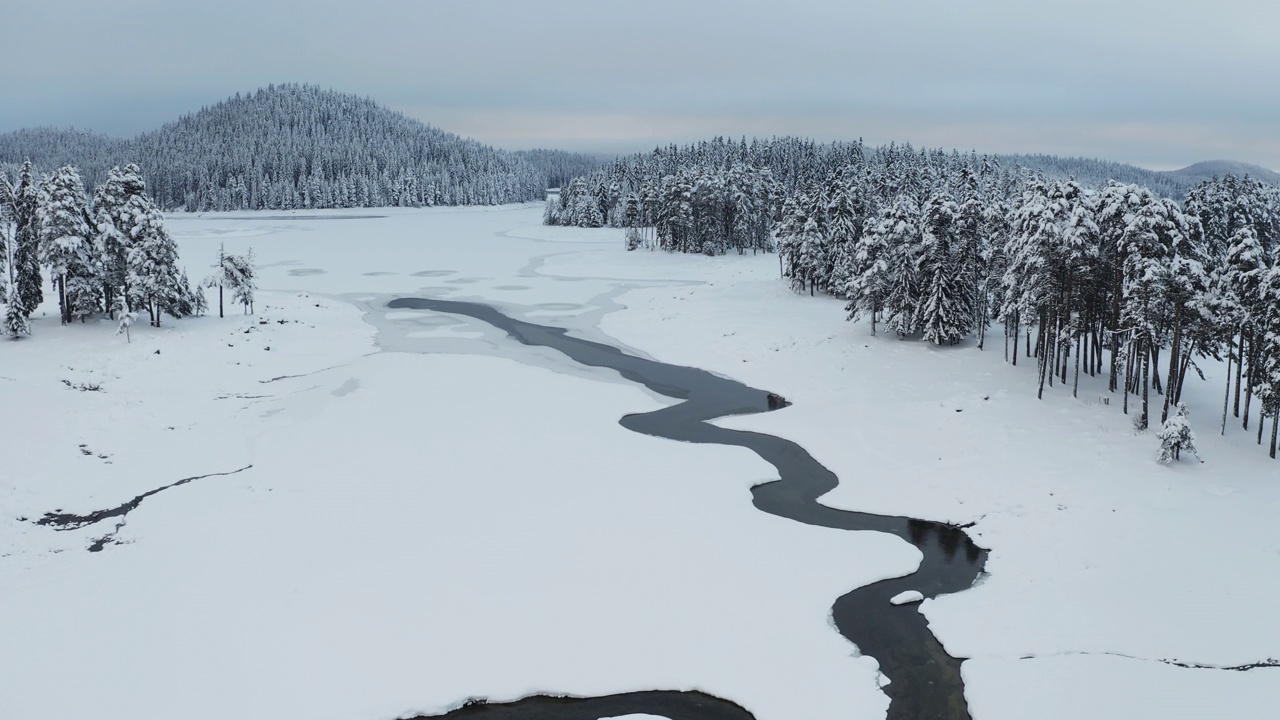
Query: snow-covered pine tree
x,y
845,208
1269,350
1186,283
237,274
198,302
1038,275
973,251
154,281
994,231
789,231
25,262
1144,277
870,280
1079,261
66,243
1244,273
1176,436
109,202
904,241
16,323
1113,208
6,233
810,256
945,313
126,321
245,280
1026,282
551,213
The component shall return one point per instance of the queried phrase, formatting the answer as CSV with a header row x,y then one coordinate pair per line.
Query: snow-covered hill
x,y
299,146
1221,168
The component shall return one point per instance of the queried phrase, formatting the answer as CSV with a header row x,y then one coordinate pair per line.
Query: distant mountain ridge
x,y
1221,168
299,146
1095,172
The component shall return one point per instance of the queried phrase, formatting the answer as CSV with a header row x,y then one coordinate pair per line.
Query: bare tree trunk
x,y
1275,424
982,319
1117,291
1226,398
1097,349
1248,385
1146,382
1182,375
1043,356
1239,369
1171,385
1082,347
1128,374
1065,324
220,300
1089,343
1050,349
1075,385
1017,330
1156,383
62,300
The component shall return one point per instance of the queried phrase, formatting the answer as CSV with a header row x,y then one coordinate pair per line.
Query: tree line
x,y
1111,279
109,255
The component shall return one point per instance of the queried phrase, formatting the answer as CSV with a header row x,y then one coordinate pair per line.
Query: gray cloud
x,y
1156,83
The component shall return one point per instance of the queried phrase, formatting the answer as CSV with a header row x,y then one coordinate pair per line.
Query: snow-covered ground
x,y
435,512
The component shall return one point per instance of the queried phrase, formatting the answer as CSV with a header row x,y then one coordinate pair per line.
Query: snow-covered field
x,y
431,512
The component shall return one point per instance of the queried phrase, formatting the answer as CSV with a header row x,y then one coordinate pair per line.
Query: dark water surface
x,y
925,681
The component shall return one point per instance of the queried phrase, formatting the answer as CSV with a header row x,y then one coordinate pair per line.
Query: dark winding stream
x,y
925,681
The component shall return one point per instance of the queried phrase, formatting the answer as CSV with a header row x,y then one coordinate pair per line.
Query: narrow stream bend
x,y
925,681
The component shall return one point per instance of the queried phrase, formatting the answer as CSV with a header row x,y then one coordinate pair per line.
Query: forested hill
x,y
1222,168
1094,172
299,146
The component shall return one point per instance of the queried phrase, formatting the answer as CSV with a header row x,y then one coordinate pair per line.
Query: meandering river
x,y
925,681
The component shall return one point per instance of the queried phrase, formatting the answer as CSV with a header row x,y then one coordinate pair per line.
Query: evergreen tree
x,y
66,243
25,263
109,202
244,280
905,245
790,233
870,280
6,239
1144,277
1269,350
810,256
1244,276
154,281
15,317
945,314
1176,436
1186,284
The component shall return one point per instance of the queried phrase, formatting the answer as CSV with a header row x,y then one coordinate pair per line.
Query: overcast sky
x,y
1160,84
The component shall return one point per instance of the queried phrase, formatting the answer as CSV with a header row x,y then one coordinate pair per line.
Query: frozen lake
x,y
380,560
